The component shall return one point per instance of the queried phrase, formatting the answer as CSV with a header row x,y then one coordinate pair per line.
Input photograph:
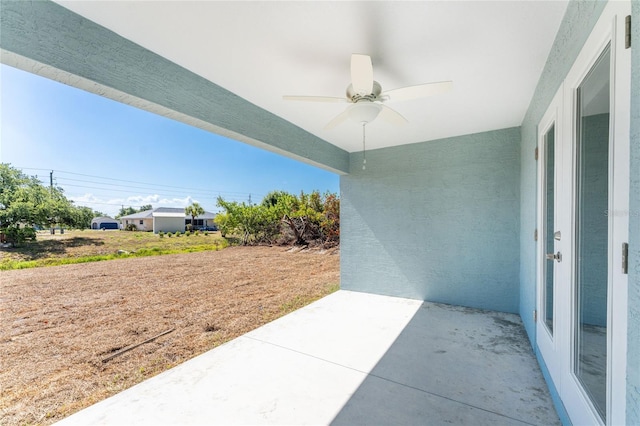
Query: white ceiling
x,y
494,52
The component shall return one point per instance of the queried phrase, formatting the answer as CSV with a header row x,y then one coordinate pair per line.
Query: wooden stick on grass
x,y
128,348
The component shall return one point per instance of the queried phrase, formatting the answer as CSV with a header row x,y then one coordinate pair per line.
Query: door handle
x,y
557,257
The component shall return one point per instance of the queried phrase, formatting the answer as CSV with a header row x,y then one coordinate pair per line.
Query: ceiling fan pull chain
x,y
364,149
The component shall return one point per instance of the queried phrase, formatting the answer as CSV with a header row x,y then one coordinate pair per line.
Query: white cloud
x,y
139,200
157,201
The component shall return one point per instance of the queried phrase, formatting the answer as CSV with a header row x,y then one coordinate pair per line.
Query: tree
x,y
126,211
193,210
225,223
330,224
304,217
25,203
83,217
248,220
274,198
55,209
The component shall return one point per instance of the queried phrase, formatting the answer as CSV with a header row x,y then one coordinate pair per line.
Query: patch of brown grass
x,y
61,322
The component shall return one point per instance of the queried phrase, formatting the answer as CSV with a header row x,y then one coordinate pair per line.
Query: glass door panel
x,y
592,234
548,231
551,206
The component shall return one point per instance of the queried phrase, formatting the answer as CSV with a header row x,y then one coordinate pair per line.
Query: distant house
x,y
168,219
105,222
165,219
142,220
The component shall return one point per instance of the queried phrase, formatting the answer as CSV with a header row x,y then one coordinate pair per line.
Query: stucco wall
x,y
147,225
633,337
168,224
435,221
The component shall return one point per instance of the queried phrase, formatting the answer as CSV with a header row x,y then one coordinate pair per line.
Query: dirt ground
x,y
61,323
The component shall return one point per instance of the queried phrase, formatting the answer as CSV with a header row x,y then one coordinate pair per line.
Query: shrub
x,y
161,234
224,222
281,217
131,227
16,236
187,234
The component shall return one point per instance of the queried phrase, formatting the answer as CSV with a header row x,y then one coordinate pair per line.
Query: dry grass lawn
x,y
51,249
60,323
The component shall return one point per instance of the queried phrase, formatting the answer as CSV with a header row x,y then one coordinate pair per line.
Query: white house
x,y
165,219
142,220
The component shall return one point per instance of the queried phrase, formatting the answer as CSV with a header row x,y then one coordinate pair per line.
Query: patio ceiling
x,y
493,51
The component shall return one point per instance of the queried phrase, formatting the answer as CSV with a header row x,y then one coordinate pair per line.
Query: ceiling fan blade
x,y
419,91
392,116
339,119
314,99
361,74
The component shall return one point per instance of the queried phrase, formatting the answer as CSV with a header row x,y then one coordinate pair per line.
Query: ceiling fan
x,y
366,96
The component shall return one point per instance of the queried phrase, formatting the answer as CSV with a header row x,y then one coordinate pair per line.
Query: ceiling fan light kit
x,y
364,112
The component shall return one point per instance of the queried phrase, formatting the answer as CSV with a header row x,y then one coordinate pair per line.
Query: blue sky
x,y
105,154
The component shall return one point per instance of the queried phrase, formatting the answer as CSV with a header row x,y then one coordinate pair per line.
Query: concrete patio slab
x,y
350,358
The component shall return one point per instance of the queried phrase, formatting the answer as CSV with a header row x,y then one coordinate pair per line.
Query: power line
x,y
120,190
112,190
103,203
83,203
136,182
113,186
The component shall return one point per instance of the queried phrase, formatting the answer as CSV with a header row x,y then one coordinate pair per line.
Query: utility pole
x,y
249,199
53,229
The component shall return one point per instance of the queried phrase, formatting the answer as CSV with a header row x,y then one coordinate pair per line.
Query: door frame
x,y
609,29
548,344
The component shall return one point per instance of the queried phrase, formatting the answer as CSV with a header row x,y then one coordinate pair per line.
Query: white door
x,y
584,342
549,266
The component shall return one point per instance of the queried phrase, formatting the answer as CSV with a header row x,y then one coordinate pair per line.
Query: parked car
x,y
207,228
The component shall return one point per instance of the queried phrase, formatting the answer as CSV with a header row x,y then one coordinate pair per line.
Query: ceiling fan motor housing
x,y
354,97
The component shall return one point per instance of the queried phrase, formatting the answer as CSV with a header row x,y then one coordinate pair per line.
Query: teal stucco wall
x,y
435,221
633,326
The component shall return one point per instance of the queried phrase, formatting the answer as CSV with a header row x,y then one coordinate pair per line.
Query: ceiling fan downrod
x,y
364,148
